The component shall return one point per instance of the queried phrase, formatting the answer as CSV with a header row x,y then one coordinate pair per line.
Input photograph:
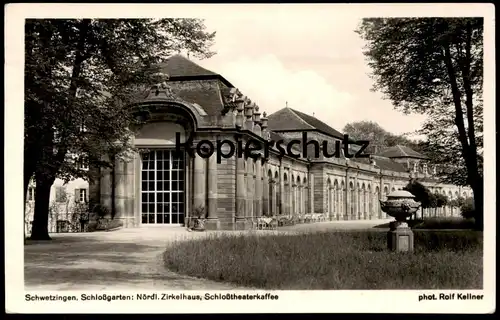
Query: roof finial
x,y
286,104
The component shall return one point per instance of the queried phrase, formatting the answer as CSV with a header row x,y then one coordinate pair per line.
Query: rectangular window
x,y
81,162
60,194
162,191
82,195
82,165
31,194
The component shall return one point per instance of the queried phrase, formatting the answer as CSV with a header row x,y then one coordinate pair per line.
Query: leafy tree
x,y
80,76
467,208
458,202
441,200
379,138
422,194
434,66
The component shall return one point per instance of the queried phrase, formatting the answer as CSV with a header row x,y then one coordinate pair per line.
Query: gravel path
x,y
129,259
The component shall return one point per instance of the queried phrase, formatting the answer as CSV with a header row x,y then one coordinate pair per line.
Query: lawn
x,y
333,260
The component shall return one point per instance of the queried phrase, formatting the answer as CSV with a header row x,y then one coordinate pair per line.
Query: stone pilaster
x,y
130,190
265,191
301,200
311,192
120,188
305,200
188,188
347,196
274,204
289,197
367,206
331,202
281,189
200,182
258,188
212,219
123,210
250,189
240,194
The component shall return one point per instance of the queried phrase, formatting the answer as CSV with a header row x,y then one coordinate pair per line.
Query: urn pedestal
x,y
400,205
400,238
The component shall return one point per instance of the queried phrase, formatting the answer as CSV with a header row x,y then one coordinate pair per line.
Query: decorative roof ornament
x,y
231,99
235,95
160,89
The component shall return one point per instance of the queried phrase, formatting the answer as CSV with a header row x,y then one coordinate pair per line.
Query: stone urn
x,y
199,224
400,204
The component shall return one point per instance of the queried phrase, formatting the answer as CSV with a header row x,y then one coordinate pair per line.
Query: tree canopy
x,y
80,75
434,66
422,194
379,137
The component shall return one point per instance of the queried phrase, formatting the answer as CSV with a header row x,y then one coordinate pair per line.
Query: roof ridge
x,y
300,118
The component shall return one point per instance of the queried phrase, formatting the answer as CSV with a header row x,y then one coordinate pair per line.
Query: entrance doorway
x,y
162,187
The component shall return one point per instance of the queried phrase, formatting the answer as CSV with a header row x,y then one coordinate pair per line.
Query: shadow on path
x,y
126,260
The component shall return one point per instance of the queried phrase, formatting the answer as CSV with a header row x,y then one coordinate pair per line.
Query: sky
x,y
308,57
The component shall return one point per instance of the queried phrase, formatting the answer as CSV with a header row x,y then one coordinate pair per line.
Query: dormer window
x,y
81,162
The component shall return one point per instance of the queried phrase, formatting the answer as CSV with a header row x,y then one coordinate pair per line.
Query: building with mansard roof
x,y
163,187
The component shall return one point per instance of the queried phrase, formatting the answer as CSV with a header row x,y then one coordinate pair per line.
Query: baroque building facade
x,y
162,185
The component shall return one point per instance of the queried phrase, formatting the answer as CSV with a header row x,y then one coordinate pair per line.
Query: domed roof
x,y
400,194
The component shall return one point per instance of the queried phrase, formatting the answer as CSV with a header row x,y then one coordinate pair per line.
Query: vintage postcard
x,y
267,158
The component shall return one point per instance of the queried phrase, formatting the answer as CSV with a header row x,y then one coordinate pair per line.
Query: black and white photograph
x,y
187,158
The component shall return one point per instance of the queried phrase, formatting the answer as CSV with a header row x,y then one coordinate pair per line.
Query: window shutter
x,y
87,195
77,195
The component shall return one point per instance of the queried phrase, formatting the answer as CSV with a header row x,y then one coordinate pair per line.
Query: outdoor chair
x,y
301,218
262,223
282,220
273,224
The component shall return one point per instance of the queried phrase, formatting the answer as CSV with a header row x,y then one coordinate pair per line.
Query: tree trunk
x,y
27,178
41,218
478,190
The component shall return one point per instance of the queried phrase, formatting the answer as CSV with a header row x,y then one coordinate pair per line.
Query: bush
x,y
467,209
438,223
344,260
100,211
444,223
104,224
